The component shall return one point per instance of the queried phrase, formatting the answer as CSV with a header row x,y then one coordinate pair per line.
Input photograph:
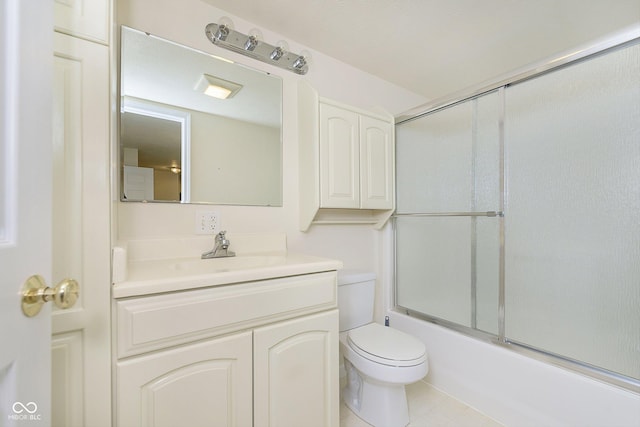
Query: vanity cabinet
x,y
261,353
346,158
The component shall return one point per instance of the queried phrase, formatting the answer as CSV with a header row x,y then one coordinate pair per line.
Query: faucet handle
x,y
221,240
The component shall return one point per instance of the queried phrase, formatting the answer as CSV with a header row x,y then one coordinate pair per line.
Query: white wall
x,y
184,22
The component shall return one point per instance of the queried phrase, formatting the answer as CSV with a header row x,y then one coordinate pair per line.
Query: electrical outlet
x,y
207,222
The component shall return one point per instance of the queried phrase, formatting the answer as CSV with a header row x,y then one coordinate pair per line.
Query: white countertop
x,y
146,277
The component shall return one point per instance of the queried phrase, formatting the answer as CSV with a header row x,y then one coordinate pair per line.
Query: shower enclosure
x,y
518,214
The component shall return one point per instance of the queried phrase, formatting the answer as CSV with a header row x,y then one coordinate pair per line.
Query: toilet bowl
x,y
379,360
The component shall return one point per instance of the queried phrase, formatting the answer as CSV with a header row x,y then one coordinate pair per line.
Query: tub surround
x,y
514,389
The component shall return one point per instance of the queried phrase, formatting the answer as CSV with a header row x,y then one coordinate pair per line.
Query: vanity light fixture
x,y
222,34
175,169
217,87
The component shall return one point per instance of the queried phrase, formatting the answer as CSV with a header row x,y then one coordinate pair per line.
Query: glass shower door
x,y
518,214
448,199
572,224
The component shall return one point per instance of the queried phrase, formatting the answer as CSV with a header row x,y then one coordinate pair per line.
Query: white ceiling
x,y
438,47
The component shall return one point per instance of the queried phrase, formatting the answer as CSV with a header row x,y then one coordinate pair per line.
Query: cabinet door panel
x,y
204,384
339,158
87,19
296,366
376,164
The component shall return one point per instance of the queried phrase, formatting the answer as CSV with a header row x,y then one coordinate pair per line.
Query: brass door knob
x,y
35,293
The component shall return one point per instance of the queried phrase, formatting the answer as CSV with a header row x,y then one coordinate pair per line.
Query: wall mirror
x,y
180,143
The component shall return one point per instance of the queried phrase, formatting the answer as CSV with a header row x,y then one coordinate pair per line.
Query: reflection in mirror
x,y
155,144
179,144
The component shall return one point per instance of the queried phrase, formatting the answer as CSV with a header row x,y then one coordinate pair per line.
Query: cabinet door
x,y
296,372
87,19
339,158
203,384
376,164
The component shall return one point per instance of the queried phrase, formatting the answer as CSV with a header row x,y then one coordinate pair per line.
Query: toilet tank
x,y
356,292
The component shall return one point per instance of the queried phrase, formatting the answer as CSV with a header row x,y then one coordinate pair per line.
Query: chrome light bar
x,y
225,36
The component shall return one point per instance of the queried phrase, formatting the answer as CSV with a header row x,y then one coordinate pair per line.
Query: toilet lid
x,y
387,346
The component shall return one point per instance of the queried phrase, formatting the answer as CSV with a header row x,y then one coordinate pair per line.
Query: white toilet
x,y
378,360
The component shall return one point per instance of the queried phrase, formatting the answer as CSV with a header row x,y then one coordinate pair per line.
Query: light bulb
x,y
282,47
225,25
255,36
304,59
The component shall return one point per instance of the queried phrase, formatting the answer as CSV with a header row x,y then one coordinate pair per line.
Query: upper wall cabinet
x,y
356,160
346,163
86,19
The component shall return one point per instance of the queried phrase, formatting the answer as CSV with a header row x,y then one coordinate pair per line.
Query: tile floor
x,y
429,407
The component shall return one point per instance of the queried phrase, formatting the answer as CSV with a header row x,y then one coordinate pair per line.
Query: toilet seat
x,y
386,346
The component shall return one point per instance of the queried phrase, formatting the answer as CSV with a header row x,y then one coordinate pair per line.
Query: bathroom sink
x,y
175,274
220,265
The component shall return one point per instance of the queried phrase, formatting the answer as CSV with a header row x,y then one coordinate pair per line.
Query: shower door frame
x,y
624,38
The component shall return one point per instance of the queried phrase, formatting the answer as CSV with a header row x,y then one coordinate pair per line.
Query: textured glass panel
x,y
434,162
448,161
572,216
438,264
433,260
486,178
486,153
487,274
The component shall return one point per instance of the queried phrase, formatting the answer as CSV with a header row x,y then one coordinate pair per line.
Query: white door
x,y
25,206
138,183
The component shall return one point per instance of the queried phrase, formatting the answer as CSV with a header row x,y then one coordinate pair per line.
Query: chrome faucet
x,y
220,248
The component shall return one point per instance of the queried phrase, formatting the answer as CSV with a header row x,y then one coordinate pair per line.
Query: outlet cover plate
x,y
207,222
